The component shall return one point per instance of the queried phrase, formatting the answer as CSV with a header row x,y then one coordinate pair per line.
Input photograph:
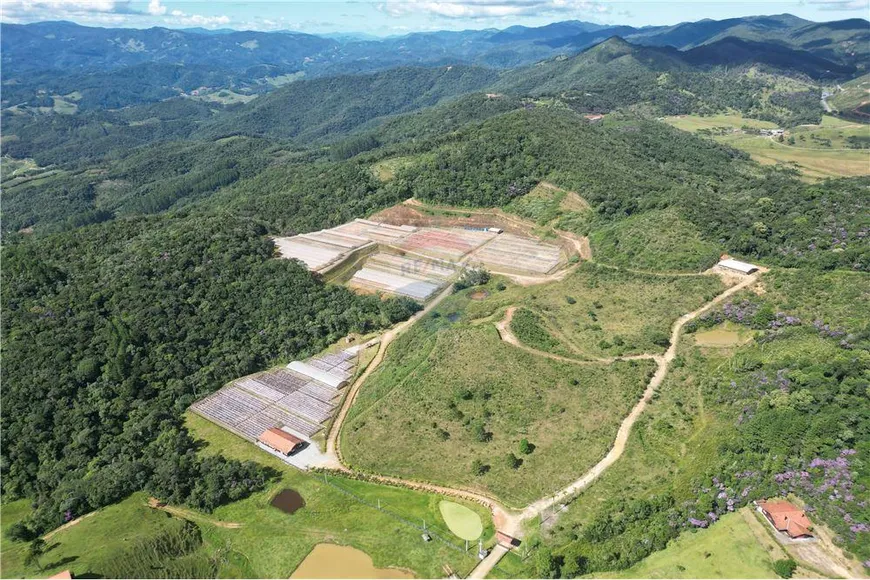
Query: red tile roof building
x,y
280,440
787,517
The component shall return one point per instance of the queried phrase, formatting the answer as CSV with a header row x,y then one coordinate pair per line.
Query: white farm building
x,y
738,266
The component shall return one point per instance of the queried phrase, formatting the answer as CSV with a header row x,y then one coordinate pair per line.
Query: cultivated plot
x,y
512,253
404,276
298,399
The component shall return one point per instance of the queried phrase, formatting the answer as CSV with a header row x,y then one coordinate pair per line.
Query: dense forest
x,y
111,331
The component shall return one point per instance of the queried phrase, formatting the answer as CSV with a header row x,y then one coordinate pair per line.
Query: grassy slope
x,y
394,426
677,437
654,240
274,543
88,545
727,550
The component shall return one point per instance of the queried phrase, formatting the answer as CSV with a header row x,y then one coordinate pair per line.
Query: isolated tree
x,y
35,550
512,461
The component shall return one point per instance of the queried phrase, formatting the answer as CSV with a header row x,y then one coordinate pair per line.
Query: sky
x,y
394,17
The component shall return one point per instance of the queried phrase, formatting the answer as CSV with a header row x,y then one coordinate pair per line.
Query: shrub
x,y
570,300
471,277
512,461
525,447
784,568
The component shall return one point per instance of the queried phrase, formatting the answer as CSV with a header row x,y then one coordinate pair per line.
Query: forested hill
x,y
337,105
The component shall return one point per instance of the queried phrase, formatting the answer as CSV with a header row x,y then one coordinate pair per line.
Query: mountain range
x,y
69,47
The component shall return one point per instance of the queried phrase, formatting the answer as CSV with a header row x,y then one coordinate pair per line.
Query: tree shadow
x,y
60,563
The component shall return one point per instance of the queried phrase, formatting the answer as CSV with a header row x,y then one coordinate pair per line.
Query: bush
x,y
471,277
525,447
784,568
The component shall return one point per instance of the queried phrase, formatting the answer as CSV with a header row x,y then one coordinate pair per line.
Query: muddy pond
x,y
332,561
723,336
288,501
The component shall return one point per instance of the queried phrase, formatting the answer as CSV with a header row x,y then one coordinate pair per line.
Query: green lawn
x,y
809,156
446,385
726,550
270,543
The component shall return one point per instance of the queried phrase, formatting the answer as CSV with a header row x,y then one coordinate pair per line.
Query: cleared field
x,y
512,253
731,121
598,311
451,402
298,399
814,163
708,553
452,244
809,156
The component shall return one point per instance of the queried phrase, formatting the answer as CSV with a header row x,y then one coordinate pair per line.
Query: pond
x,y
332,561
288,501
724,335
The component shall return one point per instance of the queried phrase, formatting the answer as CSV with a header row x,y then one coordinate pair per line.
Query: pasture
x,y
809,155
451,403
729,549
273,543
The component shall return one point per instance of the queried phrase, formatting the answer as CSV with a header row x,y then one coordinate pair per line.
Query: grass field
x,y
654,240
274,543
727,550
809,156
693,123
613,312
546,202
451,401
386,169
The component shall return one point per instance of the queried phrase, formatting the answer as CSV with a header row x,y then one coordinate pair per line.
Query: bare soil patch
x,y
479,295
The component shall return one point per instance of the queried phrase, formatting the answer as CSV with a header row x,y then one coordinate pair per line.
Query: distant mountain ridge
x,y
70,47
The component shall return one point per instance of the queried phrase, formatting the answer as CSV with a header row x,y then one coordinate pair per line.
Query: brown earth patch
x,y
479,295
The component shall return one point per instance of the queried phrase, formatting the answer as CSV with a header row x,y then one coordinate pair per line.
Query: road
x,y
505,519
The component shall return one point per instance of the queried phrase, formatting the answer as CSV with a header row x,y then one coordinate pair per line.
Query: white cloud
x,y
88,11
490,8
155,8
842,4
179,18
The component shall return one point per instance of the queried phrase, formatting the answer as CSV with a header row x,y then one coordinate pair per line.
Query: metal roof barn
x,y
737,265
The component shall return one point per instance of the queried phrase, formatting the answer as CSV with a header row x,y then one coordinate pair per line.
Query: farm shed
x,y
328,378
280,440
737,265
787,518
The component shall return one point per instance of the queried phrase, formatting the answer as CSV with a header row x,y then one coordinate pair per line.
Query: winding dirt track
x,y
505,519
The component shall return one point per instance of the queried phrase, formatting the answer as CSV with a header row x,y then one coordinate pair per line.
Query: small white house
x,y
738,266
495,230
